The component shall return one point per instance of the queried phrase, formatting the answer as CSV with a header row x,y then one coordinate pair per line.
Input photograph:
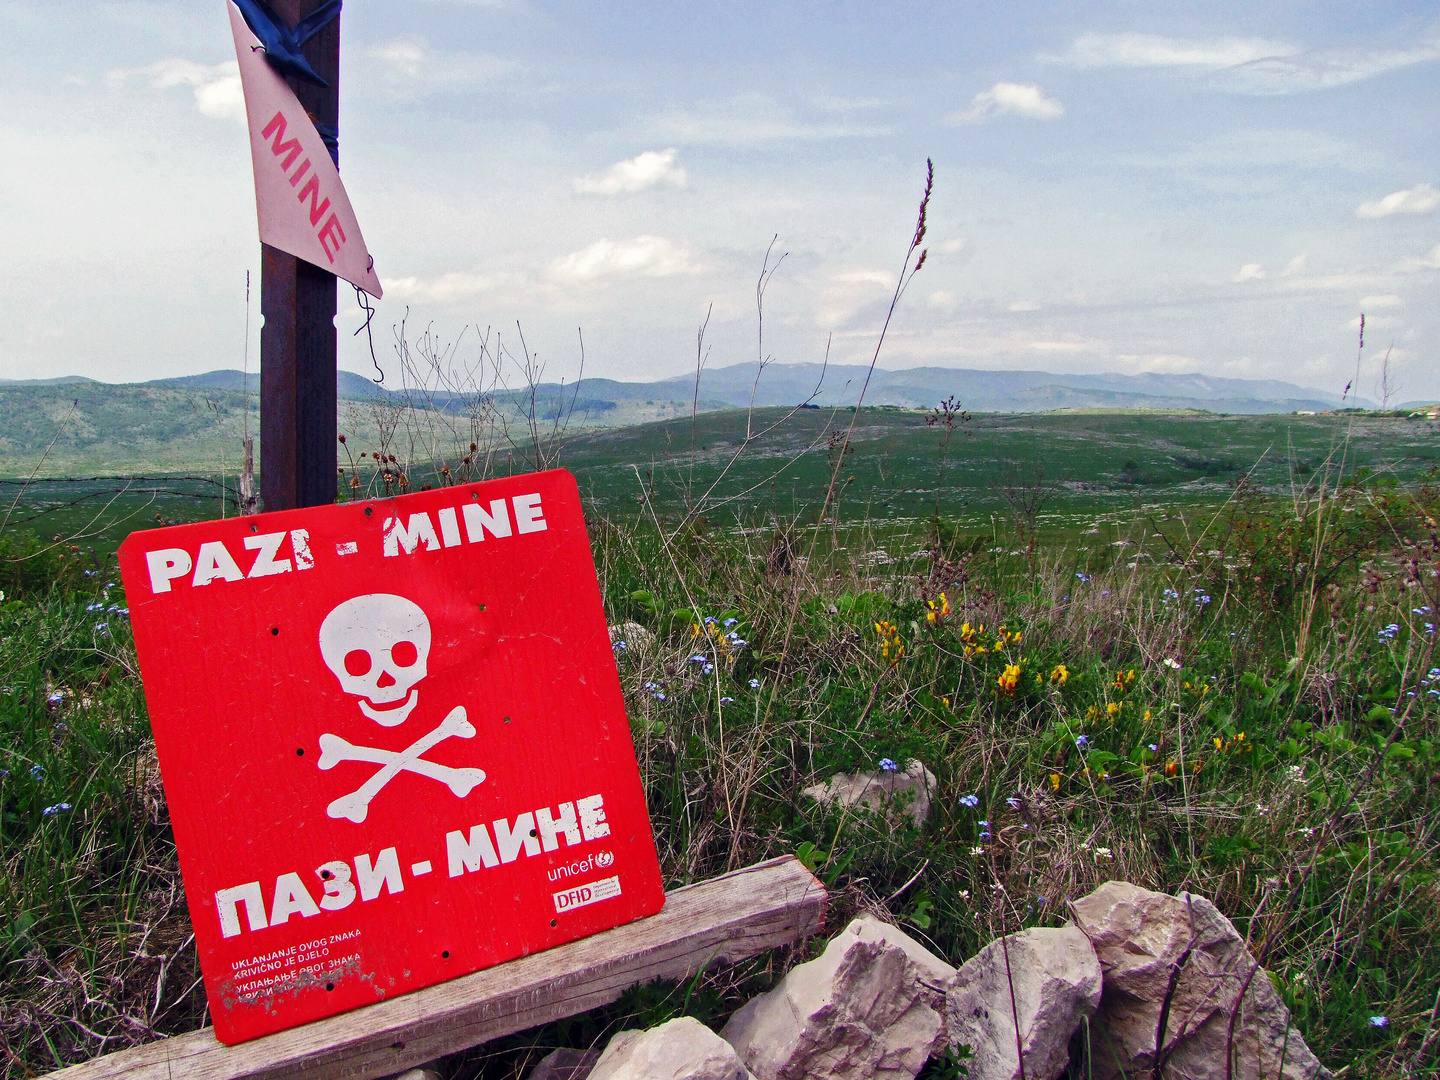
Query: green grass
x,y
1315,809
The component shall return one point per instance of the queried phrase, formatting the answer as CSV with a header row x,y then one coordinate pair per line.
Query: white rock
x,y
1056,977
565,1064
872,1005
1138,935
680,1048
910,790
636,637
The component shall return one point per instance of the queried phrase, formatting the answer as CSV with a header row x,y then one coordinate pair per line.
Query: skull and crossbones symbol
x,y
378,646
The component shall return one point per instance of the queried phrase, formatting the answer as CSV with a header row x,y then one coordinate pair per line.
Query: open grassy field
x,y
899,466
1153,675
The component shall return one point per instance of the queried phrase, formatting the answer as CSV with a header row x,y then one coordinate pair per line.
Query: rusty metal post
x,y
298,451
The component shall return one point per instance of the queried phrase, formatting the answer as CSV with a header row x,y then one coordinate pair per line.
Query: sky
x,y
1220,188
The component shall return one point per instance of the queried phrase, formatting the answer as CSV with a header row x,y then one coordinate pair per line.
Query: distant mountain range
x,y
609,402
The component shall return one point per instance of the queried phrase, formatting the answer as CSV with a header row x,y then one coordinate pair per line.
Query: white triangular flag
x,y
302,205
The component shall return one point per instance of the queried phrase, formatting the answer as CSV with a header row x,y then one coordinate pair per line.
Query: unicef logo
x,y
604,858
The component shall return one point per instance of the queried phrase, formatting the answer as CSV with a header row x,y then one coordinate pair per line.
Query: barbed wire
x,y
138,485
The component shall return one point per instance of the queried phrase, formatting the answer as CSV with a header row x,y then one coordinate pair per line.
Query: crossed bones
x,y
334,750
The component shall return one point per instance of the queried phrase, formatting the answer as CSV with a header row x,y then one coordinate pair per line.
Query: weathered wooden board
x,y
723,920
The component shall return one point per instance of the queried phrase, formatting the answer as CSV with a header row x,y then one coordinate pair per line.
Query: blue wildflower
x,y
51,811
1083,578
1082,741
754,684
731,622
888,765
37,772
698,658
727,700
970,800
1013,802
1379,1021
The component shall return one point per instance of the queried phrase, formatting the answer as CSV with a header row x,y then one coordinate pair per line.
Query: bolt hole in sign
x,y
426,771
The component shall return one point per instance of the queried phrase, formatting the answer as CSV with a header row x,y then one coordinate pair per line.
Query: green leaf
x,y
810,856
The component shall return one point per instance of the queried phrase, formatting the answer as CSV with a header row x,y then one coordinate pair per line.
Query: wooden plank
x,y
722,920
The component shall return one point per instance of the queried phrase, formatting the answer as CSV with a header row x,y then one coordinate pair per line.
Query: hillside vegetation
x,y
1231,688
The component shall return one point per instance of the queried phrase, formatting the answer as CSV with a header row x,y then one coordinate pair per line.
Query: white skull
x,y
377,645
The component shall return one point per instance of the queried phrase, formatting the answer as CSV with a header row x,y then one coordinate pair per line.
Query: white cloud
x,y
1295,265
652,168
1024,305
1420,199
1249,65
408,64
883,278
216,87
1251,272
751,118
1383,301
851,292
446,289
1021,99
950,247
1063,346
1150,50
1326,68
644,256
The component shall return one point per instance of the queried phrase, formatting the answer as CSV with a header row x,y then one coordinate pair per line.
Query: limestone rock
x,y
1057,984
565,1064
1138,935
872,1005
910,790
681,1048
636,637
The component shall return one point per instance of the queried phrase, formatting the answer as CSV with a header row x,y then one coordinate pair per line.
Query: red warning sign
x,y
393,743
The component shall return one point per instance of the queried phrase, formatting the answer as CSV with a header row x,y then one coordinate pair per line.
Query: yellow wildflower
x,y
1009,678
1113,709
1054,781
891,647
936,615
